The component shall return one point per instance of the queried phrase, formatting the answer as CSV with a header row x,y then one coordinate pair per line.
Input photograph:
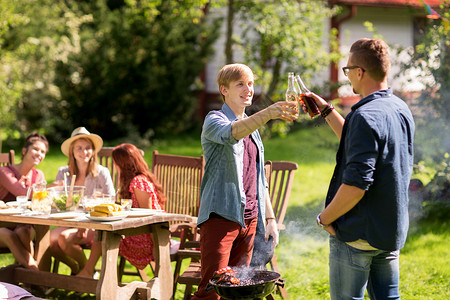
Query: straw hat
x,y
78,133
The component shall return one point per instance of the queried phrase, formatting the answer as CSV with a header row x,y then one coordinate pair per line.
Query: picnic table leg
x,y
107,286
42,241
161,253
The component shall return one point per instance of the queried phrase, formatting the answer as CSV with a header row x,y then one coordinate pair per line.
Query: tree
x,y
138,69
35,35
120,68
432,58
289,36
282,36
432,145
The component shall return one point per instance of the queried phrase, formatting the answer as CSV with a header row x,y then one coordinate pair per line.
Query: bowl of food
x,y
60,196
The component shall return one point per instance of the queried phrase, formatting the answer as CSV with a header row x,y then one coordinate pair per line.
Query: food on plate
x,y
2,204
107,210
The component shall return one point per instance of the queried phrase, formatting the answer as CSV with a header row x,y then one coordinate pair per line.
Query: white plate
x,y
65,215
142,212
16,203
106,219
10,211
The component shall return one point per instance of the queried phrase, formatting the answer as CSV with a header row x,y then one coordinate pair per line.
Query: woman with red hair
x,y
141,186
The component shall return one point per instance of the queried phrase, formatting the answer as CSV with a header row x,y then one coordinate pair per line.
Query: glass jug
x,y
41,202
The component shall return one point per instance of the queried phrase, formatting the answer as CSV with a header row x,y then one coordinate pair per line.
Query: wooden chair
x,y
280,176
180,177
280,185
105,159
7,159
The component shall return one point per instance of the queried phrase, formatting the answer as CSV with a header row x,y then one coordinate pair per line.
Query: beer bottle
x,y
311,106
292,94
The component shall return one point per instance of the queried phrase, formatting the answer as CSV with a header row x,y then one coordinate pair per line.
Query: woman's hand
x,y
272,229
56,183
82,233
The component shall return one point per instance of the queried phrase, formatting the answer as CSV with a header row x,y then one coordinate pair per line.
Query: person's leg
x,y
70,242
384,276
241,253
216,241
9,238
26,234
56,251
349,270
89,268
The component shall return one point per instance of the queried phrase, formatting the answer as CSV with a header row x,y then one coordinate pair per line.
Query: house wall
x,y
396,27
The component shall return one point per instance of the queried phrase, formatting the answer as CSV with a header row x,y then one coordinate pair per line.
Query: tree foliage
x,y
120,68
289,36
432,144
282,36
138,67
33,40
432,57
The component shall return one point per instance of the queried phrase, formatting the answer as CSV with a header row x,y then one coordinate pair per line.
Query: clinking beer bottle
x,y
309,102
292,94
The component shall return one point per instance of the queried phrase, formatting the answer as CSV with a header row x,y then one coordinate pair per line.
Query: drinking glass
x,y
22,201
126,204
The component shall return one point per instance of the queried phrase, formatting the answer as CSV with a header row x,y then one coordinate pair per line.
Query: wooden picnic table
x,y
110,233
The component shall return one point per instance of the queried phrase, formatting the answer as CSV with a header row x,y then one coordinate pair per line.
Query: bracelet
x,y
327,111
319,223
270,218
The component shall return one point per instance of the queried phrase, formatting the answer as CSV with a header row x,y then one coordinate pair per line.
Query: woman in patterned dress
x,y
141,186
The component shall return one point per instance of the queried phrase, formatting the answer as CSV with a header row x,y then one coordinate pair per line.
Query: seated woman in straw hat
x,y
81,148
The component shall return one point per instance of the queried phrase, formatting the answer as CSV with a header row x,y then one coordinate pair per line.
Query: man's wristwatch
x,y
319,223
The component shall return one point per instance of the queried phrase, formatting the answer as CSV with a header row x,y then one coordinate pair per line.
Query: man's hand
x,y
272,229
330,229
321,103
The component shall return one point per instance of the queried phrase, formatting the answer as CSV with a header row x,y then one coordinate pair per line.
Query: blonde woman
x,y
81,148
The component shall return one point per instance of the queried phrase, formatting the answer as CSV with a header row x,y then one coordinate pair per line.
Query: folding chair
x,y
280,185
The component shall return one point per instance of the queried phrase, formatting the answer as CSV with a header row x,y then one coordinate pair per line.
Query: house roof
x,y
388,3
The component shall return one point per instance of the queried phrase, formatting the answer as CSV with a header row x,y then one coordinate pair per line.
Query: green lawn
x,y
303,249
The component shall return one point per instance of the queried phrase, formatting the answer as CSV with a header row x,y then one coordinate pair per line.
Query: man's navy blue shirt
x,y
376,154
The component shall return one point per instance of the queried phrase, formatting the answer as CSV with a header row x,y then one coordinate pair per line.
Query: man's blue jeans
x,y
352,270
